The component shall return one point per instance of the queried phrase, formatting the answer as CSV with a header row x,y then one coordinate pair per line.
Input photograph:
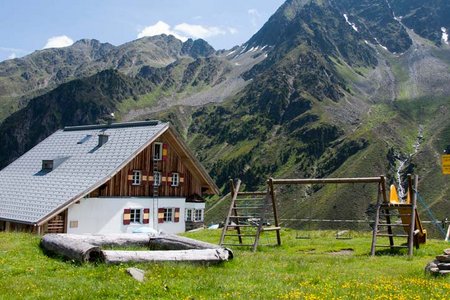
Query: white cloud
x,y
58,42
12,56
184,31
232,30
254,16
199,31
160,28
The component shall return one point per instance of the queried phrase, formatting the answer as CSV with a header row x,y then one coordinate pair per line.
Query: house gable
x,y
137,178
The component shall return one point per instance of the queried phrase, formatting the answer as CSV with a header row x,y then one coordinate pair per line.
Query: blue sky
x,y
31,25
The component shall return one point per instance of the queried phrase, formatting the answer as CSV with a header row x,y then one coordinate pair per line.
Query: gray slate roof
x,y
28,195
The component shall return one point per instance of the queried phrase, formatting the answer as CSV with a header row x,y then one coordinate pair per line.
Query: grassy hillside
x,y
299,269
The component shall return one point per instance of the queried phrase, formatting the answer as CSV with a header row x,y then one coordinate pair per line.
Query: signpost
x,y
446,164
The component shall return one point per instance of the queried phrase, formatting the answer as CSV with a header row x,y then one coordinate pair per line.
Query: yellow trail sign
x,y
446,164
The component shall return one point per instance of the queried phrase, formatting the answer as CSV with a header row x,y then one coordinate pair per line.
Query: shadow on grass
x,y
392,252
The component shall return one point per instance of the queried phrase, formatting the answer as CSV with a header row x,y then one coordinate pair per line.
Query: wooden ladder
x,y
250,214
403,227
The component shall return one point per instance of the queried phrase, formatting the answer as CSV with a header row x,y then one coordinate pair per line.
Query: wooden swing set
x,y
254,209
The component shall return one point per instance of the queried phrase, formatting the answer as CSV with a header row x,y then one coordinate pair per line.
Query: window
x,y
198,215
168,214
47,165
157,151
175,179
156,178
135,215
188,215
136,179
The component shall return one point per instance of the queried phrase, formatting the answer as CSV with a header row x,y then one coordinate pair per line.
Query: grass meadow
x,y
318,268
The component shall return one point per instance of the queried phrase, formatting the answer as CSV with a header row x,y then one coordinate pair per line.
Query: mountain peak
x,y
90,43
197,48
273,31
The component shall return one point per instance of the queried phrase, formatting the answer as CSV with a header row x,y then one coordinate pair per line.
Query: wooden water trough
x,y
87,248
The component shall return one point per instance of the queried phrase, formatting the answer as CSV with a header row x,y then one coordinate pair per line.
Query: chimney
x,y
102,139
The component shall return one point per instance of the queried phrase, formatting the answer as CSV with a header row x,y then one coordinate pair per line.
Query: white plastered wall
x,y
105,215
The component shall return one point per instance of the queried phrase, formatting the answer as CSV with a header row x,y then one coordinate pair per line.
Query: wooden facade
x,y
174,161
17,227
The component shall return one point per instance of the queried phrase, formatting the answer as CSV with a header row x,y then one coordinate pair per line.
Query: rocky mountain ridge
x,y
43,70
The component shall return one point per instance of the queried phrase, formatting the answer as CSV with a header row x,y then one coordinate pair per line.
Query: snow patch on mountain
x,y
444,35
350,23
379,44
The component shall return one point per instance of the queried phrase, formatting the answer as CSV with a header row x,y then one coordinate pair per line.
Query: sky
x,y
29,25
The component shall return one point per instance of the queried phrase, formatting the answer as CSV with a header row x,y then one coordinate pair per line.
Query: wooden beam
x,y
412,225
327,180
413,213
271,190
234,193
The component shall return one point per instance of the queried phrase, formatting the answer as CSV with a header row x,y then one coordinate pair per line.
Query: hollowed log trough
x,y
87,248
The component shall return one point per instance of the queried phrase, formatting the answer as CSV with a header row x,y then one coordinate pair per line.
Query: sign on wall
x,y
446,164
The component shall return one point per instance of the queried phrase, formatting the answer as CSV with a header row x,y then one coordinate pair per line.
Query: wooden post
x,y
377,217
414,199
413,216
235,190
383,187
235,213
274,206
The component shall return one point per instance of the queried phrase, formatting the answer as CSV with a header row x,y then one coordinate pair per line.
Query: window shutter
x,y
169,179
130,177
164,152
177,215
181,178
160,215
146,218
126,216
